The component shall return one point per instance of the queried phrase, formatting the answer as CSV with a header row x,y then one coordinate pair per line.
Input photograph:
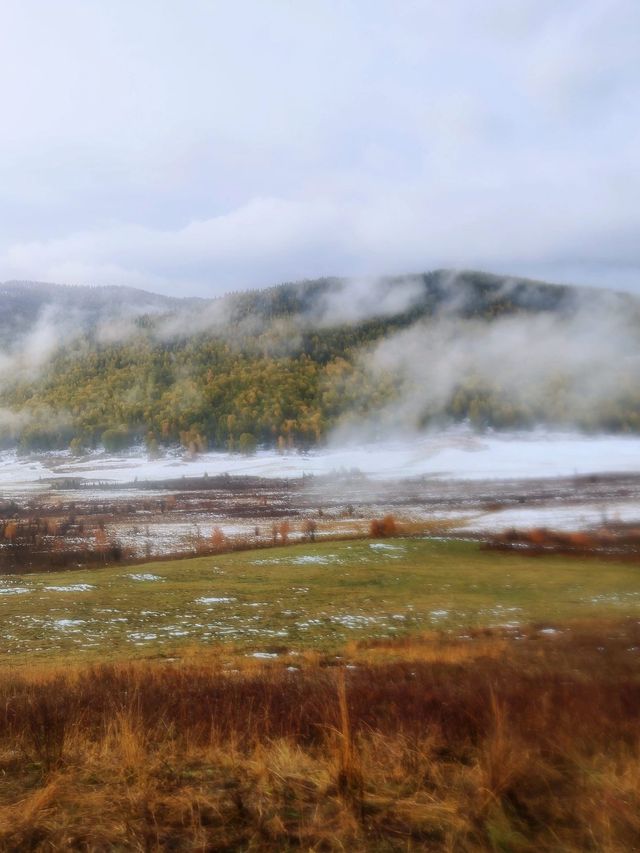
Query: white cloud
x,y
204,147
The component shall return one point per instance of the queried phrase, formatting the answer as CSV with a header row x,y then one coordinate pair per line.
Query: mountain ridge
x,y
464,291
291,364
12,287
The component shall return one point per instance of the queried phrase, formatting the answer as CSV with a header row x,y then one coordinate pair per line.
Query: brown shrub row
x,y
618,539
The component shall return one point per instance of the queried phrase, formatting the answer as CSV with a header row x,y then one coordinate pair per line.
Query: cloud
x,y
209,148
270,240
359,299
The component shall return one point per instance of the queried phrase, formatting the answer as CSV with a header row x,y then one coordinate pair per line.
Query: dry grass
x,y
421,744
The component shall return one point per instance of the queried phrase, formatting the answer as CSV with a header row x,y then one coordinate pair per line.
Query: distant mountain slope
x,y
469,293
25,303
326,301
291,364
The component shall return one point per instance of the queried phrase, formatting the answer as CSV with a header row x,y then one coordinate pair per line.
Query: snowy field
x,y
454,454
566,518
484,483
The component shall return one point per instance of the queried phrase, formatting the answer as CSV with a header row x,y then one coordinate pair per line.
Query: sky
x,y
198,147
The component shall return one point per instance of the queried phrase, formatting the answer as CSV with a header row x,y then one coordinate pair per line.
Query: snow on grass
x,y
73,587
215,600
439,614
433,585
321,559
142,637
144,576
349,620
572,517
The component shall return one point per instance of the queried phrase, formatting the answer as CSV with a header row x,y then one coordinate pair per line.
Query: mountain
x,y
291,364
326,301
26,303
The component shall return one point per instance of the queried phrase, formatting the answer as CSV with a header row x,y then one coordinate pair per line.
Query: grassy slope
x,y
281,598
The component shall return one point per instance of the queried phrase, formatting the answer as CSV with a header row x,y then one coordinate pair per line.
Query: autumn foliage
x,y
382,527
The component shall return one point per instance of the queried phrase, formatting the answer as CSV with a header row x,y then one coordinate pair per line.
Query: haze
x,y
196,148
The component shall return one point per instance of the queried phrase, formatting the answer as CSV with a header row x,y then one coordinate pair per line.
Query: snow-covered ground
x,y
485,482
457,453
570,517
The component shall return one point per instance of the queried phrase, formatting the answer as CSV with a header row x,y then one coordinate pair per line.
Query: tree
x,y
76,446
285,529
309,529
115,439
247,443
218,539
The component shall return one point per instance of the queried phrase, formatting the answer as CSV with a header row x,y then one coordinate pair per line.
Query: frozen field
x,y
563,518
454,480
454,454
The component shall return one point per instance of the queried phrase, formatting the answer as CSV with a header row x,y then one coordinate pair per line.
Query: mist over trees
x,y
291,365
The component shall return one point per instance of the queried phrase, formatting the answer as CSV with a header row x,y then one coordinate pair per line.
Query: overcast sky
x,y
199,146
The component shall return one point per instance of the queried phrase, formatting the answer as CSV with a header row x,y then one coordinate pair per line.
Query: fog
x,y
455,453
560,357
590,358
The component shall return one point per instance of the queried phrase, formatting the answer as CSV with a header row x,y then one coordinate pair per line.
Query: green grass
x,y
315,595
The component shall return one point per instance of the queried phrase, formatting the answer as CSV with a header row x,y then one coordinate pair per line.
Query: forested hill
x,y
25,303
28,305
287,365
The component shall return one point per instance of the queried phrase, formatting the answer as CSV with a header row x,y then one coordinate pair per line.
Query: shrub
x,y
382,527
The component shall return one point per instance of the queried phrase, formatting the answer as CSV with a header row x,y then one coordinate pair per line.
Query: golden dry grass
x,y
424,743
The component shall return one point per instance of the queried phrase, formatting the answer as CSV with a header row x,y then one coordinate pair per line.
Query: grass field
x,y
396,695
305,596
424,744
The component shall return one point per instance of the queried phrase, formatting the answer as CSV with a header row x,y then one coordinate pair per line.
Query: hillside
x,y
318,301
290,364
28,304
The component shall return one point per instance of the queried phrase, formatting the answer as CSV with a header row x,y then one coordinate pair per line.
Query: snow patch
x,y
215,600
453,453
320,559
145,576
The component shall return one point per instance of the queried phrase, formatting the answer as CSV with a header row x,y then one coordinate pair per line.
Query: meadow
x,y
308,596
386,695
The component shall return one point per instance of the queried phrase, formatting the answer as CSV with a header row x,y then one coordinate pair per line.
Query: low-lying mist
x,y
512,371
380,357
